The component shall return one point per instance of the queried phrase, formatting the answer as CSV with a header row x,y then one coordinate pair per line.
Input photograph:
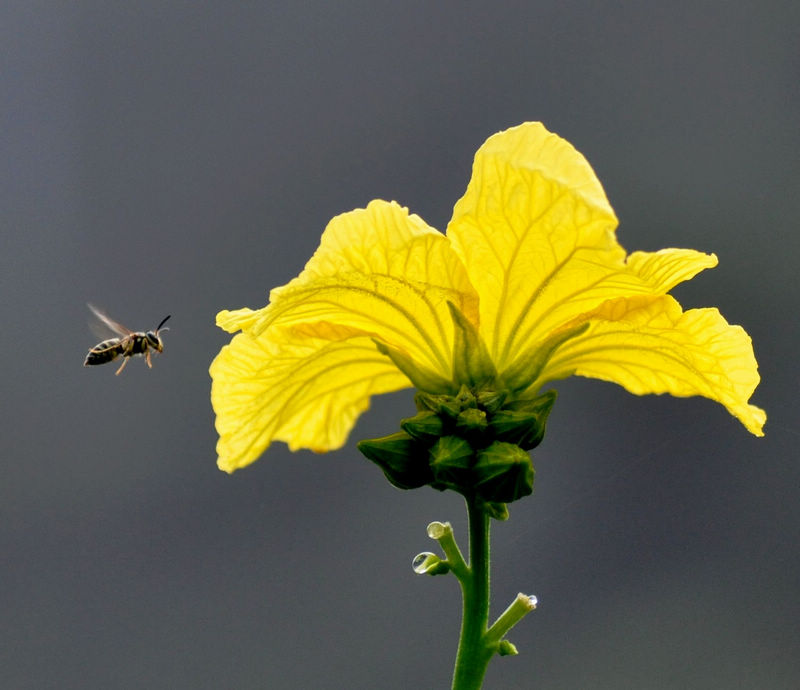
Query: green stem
x,y
473,652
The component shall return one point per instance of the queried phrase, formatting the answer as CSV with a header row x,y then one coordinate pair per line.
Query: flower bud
x,y
403,460
425,427
427,563
451,458
503,473
471,423
523,425
506,648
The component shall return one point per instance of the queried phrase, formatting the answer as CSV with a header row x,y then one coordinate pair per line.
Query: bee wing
x,y
103,324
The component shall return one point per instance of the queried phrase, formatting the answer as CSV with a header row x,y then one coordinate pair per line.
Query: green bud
x,y
523,424
425,427
471,423
427,563
451,459
403,460
503,473
506,648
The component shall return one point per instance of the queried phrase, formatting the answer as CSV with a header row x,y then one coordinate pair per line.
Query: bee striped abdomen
x,y
104,352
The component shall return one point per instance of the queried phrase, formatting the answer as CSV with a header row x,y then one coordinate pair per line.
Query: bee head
x,y
153,338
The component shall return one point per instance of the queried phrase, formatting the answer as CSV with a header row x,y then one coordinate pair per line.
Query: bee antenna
x,y
163,321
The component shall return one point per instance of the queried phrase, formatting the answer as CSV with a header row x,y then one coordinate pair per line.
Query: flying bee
x,y
126,344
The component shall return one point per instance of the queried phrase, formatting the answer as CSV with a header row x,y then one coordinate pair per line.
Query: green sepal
x,y
426,427
524,370
403,460
422,378
451,460
472,364
523,422
503,473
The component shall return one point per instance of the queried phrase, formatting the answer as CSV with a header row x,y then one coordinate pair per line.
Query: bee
x,y
127,343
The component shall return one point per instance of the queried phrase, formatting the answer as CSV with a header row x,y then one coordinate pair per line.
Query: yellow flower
x,y
530,262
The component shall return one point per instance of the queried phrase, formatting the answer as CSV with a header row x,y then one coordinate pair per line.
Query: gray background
x,y
183,157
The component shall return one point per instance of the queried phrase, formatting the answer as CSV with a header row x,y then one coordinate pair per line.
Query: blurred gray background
x,y
184,157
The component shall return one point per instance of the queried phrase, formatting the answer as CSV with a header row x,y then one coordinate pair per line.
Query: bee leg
x,y
147,359
124,362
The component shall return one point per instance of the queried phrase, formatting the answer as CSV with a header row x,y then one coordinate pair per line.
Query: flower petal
x,y
384,272
536,233
533,226
644,273
649,345
296,387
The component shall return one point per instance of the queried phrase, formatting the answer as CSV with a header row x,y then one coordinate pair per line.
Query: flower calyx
x,y
473,442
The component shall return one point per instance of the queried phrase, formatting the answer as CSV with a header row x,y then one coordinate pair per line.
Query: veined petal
x,y
536,234
533,226
649,345
383,272
644,273
290,385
